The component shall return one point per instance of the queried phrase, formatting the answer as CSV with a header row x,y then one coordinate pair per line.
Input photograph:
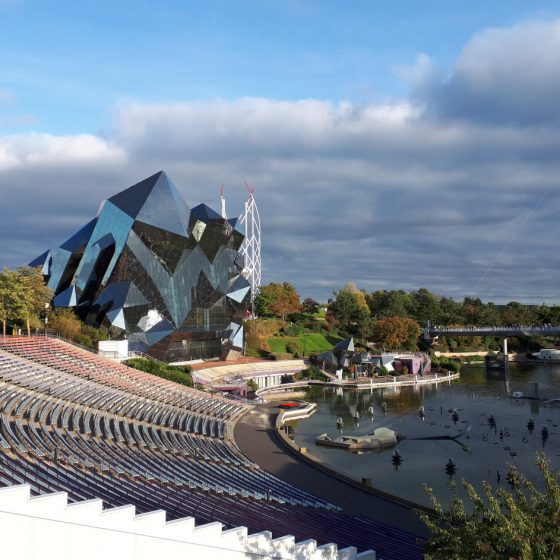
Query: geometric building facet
x,y
167,276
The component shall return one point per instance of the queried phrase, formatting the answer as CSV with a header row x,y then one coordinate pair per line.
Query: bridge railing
x,y
518,330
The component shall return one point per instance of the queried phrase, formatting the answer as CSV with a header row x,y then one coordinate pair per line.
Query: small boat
x,y
546,355
379,438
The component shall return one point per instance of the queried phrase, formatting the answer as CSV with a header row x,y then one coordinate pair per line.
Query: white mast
x,y
251,246
223,200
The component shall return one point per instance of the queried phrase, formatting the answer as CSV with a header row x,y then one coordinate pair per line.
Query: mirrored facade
x,y
165,276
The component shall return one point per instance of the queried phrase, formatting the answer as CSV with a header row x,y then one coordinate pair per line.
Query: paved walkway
x,y
217,373
256,437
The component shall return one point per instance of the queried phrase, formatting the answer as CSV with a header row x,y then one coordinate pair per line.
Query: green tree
x,y
450,312
515,314
503,525
393,303
310,306
350,312
9,297
252,385
35,295
23,295
64,321
425,307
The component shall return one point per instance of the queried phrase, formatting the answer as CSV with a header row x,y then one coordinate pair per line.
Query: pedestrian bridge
x,y
501,331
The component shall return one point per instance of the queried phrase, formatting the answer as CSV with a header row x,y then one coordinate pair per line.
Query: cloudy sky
x,y
396,144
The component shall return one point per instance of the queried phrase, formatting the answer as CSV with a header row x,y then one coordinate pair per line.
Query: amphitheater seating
x,y
74,422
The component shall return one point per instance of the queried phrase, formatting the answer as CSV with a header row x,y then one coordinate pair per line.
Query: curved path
x,y
256,437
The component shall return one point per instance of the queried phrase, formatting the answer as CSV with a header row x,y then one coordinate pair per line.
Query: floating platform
x,y
379,438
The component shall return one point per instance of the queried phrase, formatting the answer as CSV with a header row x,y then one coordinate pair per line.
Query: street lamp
x,y
47,306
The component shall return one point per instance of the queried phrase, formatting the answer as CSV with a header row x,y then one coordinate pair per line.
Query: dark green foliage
x,y
313,372
252,385
310,306
292,348
350,312
293,330
389,303
177,374
447,363
503,525
425,306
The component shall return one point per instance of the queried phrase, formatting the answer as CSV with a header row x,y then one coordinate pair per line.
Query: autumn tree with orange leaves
x,y
397,333
277,300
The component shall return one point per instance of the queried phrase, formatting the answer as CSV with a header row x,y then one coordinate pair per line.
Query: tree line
x,y
394,318
25,304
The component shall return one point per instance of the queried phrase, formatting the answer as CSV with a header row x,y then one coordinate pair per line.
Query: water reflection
x,y
473,421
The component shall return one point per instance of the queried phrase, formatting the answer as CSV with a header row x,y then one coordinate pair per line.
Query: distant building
x,y
164,276
343,355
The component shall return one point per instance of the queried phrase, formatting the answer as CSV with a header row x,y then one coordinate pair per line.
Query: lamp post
x,y
47,306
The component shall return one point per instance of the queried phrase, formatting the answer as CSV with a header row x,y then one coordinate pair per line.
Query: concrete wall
x,y
48,528
113,348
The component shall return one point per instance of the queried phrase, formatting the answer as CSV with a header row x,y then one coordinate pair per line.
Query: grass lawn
x,y
312,342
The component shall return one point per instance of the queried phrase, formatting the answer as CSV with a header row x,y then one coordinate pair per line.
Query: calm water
x,y
478,455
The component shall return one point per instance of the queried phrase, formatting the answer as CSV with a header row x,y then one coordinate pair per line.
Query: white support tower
x,y
223,206
251,246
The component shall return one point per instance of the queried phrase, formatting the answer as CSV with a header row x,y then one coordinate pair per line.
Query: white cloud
x,y
505,75
34,149
383,194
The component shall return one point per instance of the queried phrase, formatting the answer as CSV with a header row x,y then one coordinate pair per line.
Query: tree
x,y
9,296
350,312
310,306
425,307
393,303
65,323
277,300
503,525
516,314
23,295
397,333
35,295
450,312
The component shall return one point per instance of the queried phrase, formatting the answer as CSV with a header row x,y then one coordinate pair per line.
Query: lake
x,y
482,453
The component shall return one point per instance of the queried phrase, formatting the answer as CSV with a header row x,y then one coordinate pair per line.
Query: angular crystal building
x,y
165,276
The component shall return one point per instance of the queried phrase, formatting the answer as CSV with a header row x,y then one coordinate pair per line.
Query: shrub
x,y
177,374
294,330
292,348
281,356
264,328
313,372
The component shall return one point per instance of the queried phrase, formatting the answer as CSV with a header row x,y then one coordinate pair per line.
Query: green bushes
x,y
177,374
313,372
447,363
294,330
292,348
